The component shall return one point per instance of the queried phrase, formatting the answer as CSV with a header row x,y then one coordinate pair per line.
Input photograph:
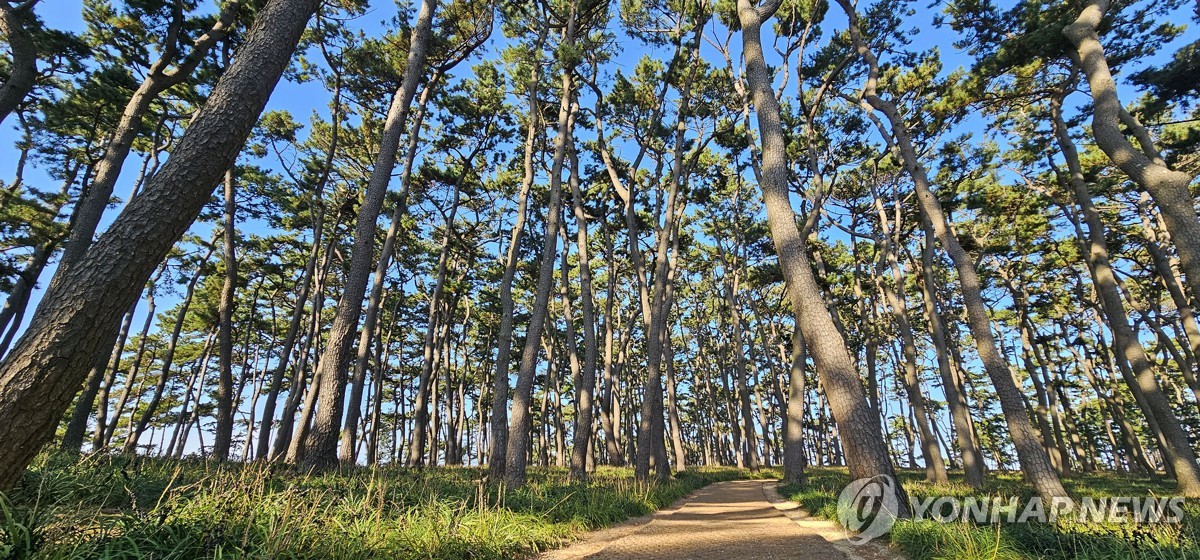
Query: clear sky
x,y
302,99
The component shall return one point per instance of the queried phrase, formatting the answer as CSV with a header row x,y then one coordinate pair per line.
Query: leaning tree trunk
x,y
79,312
952,385
935,466
15,23
1168,187
138,428
866,452
1176,447
331,372
349,452
520,421
586,385
76,432
1032,456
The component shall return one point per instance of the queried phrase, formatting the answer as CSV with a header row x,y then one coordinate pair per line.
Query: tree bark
x,y
866,451
79,312
15,24
1033,458
499,409
93,202
520,421
1168,187
1176,447
225,310
333,366
935,466
348,454
585,385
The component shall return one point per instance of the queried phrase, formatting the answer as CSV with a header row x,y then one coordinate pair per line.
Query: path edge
x,y
832,532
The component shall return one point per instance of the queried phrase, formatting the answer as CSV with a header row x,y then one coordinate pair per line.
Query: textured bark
x,y
519,419
348,453
78,314
1033,458
1168,187
225,310
333,366
656,306
499,409
15,24
935,466
677,445
953,386
1176,447
585,384
1166,272
866,451
292,433
76,432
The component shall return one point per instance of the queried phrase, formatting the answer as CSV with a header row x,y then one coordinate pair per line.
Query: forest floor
x,y
120,507
117,507
1066,539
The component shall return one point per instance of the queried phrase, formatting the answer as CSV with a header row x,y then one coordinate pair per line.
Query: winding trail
x,y
745,519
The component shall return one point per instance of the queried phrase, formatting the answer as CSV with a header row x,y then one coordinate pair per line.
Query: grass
x,y
1064,539
114,507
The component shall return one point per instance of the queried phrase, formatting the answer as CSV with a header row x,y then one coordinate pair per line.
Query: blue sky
x,y
301,99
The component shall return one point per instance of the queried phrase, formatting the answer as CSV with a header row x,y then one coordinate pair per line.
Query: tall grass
x,y
115,507
1064,539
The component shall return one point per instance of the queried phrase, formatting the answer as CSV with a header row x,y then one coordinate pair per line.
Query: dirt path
x,y
725,521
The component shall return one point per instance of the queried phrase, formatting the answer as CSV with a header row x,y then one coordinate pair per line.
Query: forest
x,y
474,278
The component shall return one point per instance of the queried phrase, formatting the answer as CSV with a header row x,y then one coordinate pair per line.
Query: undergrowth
x,y
1065,539
115,507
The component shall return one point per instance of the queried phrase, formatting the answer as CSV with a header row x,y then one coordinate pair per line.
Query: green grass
x,y
1065,539
115,507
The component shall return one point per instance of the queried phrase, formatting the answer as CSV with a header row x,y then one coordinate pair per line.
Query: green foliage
x,y
117,507
932,540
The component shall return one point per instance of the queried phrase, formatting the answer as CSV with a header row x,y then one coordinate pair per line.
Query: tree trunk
x,y
499,409
935,466
106,432
136,431
794,461
348,453
1177,448
416,455
15,24
1168,187
586,384
1033,458
332,368
520,422
953,386
225,405
79,312
866,451
91,206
